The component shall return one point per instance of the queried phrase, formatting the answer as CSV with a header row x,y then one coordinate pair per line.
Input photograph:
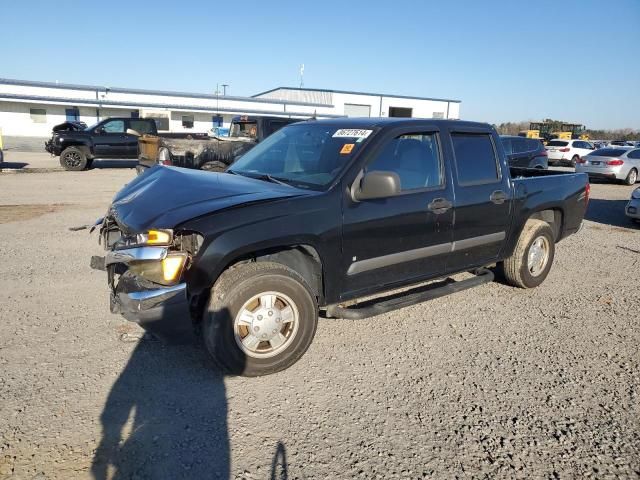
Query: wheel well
x,y
304,259
553,217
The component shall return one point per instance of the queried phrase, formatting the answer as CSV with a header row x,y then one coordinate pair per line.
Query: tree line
x,y
513,128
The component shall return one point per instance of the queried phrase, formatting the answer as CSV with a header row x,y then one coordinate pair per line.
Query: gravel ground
x,y
494,382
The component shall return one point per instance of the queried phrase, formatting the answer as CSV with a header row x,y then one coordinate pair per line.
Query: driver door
x,y
406,237
110,139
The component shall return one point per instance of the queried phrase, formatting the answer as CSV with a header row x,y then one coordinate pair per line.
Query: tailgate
x,y
148,149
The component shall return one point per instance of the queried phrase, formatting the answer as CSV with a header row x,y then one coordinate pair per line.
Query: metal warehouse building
x,y
31,109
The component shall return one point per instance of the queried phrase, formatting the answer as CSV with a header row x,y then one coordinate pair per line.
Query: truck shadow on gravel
x,y
608,212
165,417
101,164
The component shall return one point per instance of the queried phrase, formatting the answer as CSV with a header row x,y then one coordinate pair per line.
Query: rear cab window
x,y
475,158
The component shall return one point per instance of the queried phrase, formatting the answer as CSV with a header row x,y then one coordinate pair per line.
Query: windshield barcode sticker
x,y
352,133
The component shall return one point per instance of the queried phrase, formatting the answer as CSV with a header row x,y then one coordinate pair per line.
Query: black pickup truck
x,y
210,153
115,137
323,213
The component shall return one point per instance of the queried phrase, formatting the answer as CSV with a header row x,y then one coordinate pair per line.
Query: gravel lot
x,y
494,382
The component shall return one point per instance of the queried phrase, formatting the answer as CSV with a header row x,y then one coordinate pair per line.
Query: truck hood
x,y
164,197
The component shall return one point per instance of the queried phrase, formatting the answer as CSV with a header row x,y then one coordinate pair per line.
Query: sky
x,y
572,60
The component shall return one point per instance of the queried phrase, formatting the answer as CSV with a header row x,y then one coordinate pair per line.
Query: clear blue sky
x,y
506,60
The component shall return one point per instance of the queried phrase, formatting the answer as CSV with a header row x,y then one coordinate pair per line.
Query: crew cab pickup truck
x,y
208,153
114,137
319,215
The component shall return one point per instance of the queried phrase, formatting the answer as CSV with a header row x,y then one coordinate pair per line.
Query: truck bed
x,y
564,192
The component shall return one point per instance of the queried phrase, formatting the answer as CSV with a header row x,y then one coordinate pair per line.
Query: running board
x,y
404,299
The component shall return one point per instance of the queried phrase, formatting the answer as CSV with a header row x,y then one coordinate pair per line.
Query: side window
x,y
475,158
114,126
187,121
414,157
519,145
140,126
507,145
533,145
635,154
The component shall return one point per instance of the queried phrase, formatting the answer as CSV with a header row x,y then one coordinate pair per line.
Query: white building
x,y
32,108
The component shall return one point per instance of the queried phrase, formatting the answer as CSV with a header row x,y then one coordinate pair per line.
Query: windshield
x,y
310,155
91,127
557,143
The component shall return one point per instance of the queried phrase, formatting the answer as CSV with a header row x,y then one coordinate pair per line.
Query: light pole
x,y
224,89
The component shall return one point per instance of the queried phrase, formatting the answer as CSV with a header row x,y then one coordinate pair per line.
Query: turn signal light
x,y
172,266
615,163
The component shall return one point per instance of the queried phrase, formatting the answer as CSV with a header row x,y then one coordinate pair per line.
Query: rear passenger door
x,y
483,199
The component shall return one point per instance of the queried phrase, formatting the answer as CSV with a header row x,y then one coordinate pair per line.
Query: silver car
x,y
613,163
633,207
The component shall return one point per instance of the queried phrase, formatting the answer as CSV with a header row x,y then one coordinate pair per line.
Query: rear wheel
x,y
632,177
261,319
532,258
214,167
574,160
73,159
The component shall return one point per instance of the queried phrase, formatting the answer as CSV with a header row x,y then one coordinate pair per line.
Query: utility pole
x,y
302,75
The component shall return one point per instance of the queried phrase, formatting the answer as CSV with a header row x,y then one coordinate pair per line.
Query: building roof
x,y
354,93
93,88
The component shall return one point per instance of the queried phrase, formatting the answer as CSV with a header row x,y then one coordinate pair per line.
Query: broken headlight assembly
x,y
151,238
164,272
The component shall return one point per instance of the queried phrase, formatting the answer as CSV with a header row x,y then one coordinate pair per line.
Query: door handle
x,y
498,197
439,205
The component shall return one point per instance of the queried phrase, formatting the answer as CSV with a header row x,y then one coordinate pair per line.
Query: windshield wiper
x,y
262,176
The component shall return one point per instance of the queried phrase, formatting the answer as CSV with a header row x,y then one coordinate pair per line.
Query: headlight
x,y
165,272
162,238
636,193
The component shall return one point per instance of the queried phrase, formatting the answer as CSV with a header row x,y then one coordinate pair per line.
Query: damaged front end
x,y
146,276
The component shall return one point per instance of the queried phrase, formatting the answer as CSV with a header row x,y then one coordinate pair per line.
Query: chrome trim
x,y
135,254
133,302
477,241
400,257
424,252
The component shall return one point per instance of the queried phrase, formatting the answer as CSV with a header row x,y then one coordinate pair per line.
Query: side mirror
x,y
378,184
99,130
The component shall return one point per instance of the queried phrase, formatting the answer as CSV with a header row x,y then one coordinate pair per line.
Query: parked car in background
x,y
322,213
115,137
524,152
633,207
567,151
613,163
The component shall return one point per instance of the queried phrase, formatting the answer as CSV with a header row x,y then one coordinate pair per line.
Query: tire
x,y
517,269
214,166
244,288
574,160
73,159
632,177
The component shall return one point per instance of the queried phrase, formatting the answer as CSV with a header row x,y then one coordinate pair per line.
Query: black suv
x,y
524,152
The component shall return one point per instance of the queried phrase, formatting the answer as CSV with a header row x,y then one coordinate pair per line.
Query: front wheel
x,y
261,319
532,258
73,159
632,177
